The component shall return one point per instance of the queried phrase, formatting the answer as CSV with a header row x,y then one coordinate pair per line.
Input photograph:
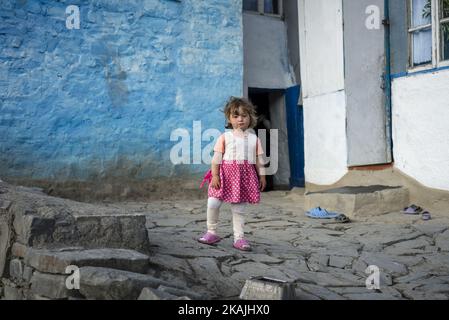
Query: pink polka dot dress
x,y
239,182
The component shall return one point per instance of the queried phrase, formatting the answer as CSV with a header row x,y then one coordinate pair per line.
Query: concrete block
x,y
262,288
359,201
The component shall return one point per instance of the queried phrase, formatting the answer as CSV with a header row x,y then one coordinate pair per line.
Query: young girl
x,y
237,172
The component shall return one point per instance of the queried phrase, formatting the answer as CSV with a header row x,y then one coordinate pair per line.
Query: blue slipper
x,y
318,213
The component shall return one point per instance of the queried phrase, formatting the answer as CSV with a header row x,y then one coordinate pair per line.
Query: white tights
x,y
238,219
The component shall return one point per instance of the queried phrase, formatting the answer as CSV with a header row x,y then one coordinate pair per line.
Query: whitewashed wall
x,y
322,77
266,63
325,138
421,127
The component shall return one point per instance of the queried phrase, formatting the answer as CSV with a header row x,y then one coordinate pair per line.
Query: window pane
x,y
422,47
421,12
444,9
250,5
444,43
271,6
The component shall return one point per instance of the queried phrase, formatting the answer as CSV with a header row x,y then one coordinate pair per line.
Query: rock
x,y
56,261
262,288
303,295
249,270
109,231
16,269
340,262
12,293
294,268
5,235
30,228
413,276
318,262
408,247
27,273
173,222
38,297
263,258
320,292
167,262
19,250
331,279
384,262
442,241
414,292
41,221
369,296
430,228
112,284
409,261
180,292
359,267
49,285
385,279
341,249
153,294
208,273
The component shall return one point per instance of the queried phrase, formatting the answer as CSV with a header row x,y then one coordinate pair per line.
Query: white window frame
x,y
435,27
261,9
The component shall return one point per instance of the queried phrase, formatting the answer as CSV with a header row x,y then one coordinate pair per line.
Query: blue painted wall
x,y
101,101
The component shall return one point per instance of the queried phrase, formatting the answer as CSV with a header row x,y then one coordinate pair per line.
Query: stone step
x,y
111,284
57,260
359,201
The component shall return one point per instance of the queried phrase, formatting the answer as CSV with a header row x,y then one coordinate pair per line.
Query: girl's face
x,y
240,121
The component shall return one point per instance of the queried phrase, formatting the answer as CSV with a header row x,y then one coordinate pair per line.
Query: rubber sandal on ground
x,y
209,239
242,245
413,210
319,213
342,219
426,216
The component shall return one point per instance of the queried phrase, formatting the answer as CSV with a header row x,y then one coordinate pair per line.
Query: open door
x,y
295,127
368,122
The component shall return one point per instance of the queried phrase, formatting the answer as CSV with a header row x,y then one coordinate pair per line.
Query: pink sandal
x,y
209,238
242,244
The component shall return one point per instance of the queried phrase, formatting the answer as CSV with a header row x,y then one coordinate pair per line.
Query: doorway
x,y
272,114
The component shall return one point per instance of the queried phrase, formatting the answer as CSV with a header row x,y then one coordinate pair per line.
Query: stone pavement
x,y
148,250
326,261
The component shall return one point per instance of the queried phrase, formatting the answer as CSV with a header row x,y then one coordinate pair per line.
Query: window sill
x,y
278,16
421,70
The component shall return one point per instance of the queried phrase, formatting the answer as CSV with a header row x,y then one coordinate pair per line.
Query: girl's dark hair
x,y
234,105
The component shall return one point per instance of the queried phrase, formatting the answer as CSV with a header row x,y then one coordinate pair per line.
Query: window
x,y
444,29
268,7
428,33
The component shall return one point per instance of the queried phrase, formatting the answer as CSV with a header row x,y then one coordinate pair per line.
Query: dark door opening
x,y
261,100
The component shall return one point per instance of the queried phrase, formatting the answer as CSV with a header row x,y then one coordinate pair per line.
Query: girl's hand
x,y
215,183
262,183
